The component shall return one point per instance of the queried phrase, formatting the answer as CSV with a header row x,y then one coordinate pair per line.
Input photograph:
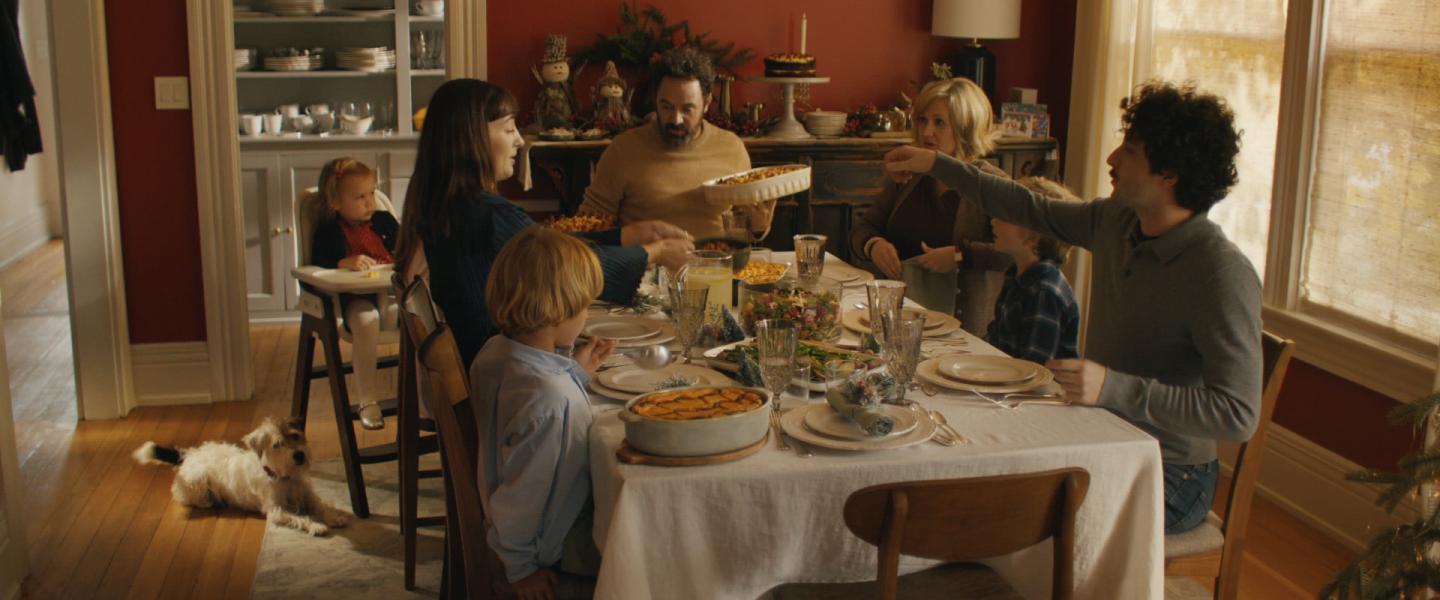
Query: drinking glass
x,y
420,50
901,349
711,268
810,254
839,371
776,341
884,296
687,300
799,388
736,225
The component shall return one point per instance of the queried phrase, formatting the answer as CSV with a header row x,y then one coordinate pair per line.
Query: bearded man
x,y
654,172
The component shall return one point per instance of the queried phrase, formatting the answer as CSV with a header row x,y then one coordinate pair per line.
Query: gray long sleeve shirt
x,y
1174,319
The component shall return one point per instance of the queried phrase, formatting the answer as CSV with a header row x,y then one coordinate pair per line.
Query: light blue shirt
x,y
533,418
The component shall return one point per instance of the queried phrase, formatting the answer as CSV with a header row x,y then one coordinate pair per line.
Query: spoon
x,y
654,356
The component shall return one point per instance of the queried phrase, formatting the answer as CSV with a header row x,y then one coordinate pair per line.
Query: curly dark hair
x,y
1188,133
686,63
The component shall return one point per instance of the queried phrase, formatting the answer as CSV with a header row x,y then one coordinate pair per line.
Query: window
x,y
1353,232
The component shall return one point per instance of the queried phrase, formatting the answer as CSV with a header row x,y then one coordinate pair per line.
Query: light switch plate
x,y
172,93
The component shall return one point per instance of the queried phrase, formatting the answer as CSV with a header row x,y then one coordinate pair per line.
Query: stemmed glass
x,y
776,341
687,302
901,348
885,297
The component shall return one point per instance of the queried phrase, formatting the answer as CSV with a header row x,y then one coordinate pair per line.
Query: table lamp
x,y
976,20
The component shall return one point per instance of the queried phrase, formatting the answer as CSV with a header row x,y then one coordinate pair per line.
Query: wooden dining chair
x,y
1215,548
414,298
467,572
958,520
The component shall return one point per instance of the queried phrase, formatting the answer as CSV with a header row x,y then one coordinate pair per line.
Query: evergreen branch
x,y
1415,413
1375,476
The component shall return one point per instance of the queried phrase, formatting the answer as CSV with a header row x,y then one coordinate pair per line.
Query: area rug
x,y
364,560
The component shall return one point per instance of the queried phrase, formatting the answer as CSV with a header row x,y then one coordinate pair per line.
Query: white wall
x,y
30,198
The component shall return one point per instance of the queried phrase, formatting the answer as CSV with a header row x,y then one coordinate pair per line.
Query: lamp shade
x,y
979,19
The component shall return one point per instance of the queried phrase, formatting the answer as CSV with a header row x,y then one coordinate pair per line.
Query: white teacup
x,y
430,8
317,109
302,123
288,110
274,122
357,126
252,125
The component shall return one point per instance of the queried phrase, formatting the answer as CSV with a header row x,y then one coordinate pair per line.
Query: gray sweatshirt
x,y
1175,319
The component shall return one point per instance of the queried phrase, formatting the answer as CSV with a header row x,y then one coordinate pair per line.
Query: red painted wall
x,y
155,173
1343,416
871,50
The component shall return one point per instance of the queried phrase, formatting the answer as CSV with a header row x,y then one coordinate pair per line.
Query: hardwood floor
x,y
101,526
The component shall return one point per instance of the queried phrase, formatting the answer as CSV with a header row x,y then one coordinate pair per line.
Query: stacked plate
x,y
936,323
629,332
624,383
297,8
244,59
983,373
294,63
818,424
825,122
371,60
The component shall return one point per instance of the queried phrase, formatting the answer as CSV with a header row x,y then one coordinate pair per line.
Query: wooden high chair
x,y
320,319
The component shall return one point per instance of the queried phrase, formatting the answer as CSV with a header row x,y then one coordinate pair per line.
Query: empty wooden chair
x,y
959,520
1215,548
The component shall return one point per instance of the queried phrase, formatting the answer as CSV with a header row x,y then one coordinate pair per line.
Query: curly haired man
x,y
1175,307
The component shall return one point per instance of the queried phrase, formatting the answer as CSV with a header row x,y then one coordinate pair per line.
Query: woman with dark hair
x,y
455,217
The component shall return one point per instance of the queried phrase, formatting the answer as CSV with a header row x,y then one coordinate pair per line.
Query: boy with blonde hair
x,y
532,412
1036,317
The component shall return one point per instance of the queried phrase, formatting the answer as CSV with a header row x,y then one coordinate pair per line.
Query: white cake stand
x,y
788,127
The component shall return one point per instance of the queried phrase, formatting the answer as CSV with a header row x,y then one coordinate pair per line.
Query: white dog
x,y
266,475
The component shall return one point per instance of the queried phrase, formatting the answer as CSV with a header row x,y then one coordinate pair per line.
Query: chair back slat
x,y
1276,353
970,519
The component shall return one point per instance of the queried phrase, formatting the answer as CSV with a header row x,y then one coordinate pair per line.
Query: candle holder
x,y
789,128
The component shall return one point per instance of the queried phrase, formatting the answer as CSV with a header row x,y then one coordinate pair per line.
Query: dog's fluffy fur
x,y
267,474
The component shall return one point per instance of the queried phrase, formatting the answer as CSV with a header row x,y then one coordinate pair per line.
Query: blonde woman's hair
x,y
971,117
541,278
1050,248
333,173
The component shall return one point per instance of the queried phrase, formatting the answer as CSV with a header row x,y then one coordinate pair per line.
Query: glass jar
x,y
812,303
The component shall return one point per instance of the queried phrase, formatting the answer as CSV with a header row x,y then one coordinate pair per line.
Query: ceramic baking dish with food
x,y
715,420
758,185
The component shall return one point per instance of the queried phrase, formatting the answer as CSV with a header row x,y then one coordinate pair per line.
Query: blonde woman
x,y
924,222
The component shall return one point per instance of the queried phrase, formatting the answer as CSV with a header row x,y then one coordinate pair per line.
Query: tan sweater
x,y
640,178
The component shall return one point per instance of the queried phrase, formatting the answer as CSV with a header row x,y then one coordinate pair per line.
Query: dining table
x,y
739,529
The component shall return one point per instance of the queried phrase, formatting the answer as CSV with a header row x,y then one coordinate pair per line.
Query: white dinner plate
x,y
622,328
933,318
793,422
639,381
833,424
987,370
609,393
847,275
928,370
850,318
667,333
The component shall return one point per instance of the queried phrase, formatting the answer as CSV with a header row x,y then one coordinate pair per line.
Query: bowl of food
x,y
813,304
558,134
696,421
758,184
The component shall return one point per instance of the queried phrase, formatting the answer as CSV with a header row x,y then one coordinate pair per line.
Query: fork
x,y
779,433
999,403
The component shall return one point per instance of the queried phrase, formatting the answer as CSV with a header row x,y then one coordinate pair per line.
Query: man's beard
x,y
677,136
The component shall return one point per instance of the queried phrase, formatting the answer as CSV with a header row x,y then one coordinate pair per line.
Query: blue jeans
x,y
1189,491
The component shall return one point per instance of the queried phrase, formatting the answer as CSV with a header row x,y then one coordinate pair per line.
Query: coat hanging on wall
x,y
19,128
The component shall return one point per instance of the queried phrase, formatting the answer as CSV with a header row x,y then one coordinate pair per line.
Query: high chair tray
x,y
376,279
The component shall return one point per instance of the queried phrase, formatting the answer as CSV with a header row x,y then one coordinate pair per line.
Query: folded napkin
x,y
859,401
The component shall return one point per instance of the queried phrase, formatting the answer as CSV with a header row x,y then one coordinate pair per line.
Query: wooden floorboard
x,y
103,527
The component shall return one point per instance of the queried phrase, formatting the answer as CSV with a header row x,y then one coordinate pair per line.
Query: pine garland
x,y
1396,563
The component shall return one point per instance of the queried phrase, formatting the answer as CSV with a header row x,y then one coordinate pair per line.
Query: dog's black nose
x,y
299,458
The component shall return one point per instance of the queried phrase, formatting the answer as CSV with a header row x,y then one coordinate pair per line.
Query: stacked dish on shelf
x,y
291,60
825,122
296,8
244,59
370,60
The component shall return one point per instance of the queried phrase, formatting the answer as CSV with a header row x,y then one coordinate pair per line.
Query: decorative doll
x,y
612,100
556,104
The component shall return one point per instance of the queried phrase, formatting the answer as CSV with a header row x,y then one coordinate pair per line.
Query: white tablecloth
x,y
738,529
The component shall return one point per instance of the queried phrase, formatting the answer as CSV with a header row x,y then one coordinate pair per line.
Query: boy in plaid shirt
x,y
1036,317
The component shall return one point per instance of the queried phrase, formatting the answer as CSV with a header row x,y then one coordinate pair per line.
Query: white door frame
x,y
217,174
99,325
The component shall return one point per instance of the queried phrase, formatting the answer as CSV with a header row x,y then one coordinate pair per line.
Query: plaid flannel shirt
x,y
1036,317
